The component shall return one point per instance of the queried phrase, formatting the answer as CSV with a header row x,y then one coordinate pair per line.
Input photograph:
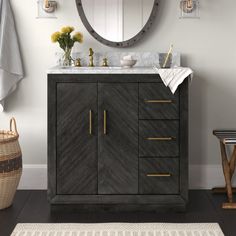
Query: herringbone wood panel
x,y
118,149
76,148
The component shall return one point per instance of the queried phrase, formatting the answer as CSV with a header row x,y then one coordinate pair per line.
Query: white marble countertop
x,y
101,70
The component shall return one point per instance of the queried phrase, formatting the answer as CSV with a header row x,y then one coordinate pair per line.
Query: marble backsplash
x,y
144,59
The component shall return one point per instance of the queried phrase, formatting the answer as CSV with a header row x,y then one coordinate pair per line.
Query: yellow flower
x,y
78,37
55,36
67,29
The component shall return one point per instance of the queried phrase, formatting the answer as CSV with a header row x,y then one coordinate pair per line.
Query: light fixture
x,y
46,8
189,9
49,6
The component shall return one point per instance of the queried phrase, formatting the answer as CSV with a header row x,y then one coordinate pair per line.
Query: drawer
x,y
159,176
157,102
158,138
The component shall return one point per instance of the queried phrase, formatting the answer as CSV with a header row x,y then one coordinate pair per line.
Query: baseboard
x,y
34,177
200,177
206,176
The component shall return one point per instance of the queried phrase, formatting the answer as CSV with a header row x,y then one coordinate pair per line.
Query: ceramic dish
x,y
127,63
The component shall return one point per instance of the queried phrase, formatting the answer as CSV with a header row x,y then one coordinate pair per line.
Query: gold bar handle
x,y
104,122
90,122
158,101
160,139
159,175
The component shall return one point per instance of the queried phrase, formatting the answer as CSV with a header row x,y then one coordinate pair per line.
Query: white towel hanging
x,y
175,76
11,68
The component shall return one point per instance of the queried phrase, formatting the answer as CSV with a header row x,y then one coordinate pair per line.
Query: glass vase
x,y
67,59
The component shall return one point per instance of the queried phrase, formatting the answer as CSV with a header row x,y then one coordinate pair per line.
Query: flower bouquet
x,y
66,42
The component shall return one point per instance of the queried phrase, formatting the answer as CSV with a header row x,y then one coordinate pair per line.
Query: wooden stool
x,y
227,137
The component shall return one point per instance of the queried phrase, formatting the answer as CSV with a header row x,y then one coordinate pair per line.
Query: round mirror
x,y
117,23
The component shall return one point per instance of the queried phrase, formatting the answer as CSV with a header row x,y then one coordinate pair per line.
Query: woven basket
x,y
10,164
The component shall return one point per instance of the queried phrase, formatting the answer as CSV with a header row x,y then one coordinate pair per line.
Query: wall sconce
x,y
49,6
46,8
189,9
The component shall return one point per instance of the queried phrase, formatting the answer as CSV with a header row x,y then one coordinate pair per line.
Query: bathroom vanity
x,y
117,138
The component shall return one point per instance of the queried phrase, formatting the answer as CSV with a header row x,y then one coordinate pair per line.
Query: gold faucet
x,y
91,52
105,62
78,62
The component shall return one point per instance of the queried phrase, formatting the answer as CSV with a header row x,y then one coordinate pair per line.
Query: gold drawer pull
x,y
104,122
158,101
159,175
90,122
160,139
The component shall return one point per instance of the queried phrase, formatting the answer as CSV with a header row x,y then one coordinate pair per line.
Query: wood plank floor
x,y
32,207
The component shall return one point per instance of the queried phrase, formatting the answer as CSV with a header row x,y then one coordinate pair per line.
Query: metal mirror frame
x,y
122,44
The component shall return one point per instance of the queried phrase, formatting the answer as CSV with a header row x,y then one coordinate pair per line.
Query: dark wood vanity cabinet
x,y
117,141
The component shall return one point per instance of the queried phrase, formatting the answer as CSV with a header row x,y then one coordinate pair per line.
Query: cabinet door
x,y
76,138
118,138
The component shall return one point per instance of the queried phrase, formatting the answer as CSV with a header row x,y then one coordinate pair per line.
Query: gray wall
x,y
208,47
